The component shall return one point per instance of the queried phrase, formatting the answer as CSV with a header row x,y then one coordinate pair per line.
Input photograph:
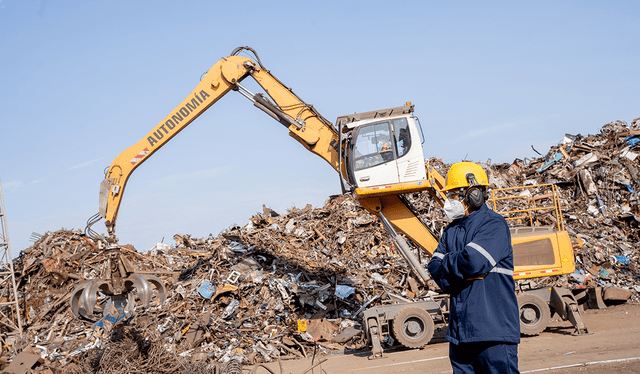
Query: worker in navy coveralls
x,y
473,263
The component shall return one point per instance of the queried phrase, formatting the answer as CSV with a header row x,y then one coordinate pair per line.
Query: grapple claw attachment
x,y
84,297
157,282
75,298
90,295
143,283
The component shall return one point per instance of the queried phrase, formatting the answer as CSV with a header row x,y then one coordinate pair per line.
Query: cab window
x,y
402,136
373,145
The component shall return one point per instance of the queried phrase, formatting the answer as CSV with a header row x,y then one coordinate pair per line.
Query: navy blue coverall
x,y
473,263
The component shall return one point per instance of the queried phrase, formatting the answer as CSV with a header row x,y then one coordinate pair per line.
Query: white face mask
x,y
453,209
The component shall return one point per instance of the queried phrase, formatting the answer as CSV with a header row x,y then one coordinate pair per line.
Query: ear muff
x,y
475,198
476,195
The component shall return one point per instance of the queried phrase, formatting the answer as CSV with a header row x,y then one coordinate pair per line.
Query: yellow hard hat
x,y
457,177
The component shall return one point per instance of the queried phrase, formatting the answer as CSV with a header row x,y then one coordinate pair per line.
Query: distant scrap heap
x,y
243,292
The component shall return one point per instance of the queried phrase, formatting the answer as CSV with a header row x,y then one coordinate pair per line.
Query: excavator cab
x,y
383,151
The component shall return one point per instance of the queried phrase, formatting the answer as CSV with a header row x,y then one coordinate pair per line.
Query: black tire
x,y
412,327
534,314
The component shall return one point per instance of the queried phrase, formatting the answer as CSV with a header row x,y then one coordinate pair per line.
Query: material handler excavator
x,y
378,156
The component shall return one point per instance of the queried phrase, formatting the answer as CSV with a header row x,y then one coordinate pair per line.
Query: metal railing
x,y
527,205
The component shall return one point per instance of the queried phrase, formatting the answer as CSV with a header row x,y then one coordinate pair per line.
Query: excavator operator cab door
x,y
385,152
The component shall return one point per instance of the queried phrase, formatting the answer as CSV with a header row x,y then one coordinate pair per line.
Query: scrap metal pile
x,y
294,284
598,182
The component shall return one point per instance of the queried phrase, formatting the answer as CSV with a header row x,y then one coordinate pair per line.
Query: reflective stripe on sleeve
x,y
438,255
502,271
483,252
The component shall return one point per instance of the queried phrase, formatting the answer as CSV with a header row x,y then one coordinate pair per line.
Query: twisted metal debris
x,y
285,285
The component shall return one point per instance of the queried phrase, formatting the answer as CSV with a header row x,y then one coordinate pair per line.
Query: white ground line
x,y
521,372
582,364
402,363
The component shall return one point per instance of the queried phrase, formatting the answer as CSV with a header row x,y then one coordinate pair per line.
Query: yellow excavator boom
x,y
318,136
305,124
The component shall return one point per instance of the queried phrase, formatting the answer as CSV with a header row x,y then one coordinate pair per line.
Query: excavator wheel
x,y
412,327
534,314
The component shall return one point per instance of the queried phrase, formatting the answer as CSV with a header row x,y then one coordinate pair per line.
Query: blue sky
x,y
80,81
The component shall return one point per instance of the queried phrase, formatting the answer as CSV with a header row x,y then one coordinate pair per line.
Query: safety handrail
x,y
527,206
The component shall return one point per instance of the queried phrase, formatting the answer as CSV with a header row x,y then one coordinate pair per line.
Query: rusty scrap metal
x,y
239,296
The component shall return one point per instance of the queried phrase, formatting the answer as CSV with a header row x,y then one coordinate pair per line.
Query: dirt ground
x,y
612,347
